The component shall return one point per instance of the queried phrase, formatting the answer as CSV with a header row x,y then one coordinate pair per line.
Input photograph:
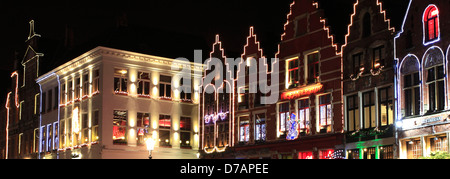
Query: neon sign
x,y
301,92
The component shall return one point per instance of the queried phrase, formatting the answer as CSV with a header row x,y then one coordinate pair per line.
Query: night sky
x,y
201,19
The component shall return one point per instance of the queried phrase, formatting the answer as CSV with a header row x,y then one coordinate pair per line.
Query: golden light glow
x,y
301,92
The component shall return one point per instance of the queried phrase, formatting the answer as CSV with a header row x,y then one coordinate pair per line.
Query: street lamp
x,y
150,147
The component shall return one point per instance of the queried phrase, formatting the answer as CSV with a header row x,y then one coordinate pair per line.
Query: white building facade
x,y
106,103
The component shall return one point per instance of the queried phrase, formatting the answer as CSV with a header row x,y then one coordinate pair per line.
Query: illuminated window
x,y
260,127
69,91
369,110
325,113
165,122
85,128
165,86
293,71
312,73
43,138
303,115
63,94
414,149
185,131
326,154
386,106
386,152
143,126
95,120
353,113
378,56
283,116
243,99
438,143
120,123
244,129
185,93
143,84
369,153
120,81
85,85
305,155
431,24
353,154
77,88
56,135
96,81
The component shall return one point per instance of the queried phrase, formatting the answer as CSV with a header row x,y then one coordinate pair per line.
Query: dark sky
x,y
200,18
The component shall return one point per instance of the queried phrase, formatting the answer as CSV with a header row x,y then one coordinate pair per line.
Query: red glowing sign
x,y
301,92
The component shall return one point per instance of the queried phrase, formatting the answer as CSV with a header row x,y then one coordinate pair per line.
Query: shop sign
x,y
421,122
305,91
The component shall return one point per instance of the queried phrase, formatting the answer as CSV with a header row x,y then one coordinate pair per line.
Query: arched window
x,y
431,24
435,74
410,85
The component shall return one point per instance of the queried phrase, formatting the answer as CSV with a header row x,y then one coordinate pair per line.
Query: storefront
x,y
422,136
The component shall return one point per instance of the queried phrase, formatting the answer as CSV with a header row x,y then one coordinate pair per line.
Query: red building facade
x,y
306,122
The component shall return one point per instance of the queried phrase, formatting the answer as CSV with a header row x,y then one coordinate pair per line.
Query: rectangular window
x,y
305,155
43,138
43,106
165,87
185,139
185,94
143,84
63,94
325,113
77,88
293,71
369,110
85,85
96,81
283,116
387,152
326,154
414,149
50,95
260,127
357,63
120,123
70,91
386,106
185,123
303,115
378,56
56,100
120,81
243,99
353,113
56,135
143,126
95,121
436,93
85,128
411,91
244,129
165,122
313,68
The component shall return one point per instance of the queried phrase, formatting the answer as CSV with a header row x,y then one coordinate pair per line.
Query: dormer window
x,y
431,24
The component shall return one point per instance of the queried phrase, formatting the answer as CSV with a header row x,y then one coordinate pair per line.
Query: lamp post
x,y
150,147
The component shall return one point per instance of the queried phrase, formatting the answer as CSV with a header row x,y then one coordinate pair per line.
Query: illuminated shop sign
x,y
423,122
301,92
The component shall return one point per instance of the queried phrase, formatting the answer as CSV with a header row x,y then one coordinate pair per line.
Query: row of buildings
x,y
383,94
